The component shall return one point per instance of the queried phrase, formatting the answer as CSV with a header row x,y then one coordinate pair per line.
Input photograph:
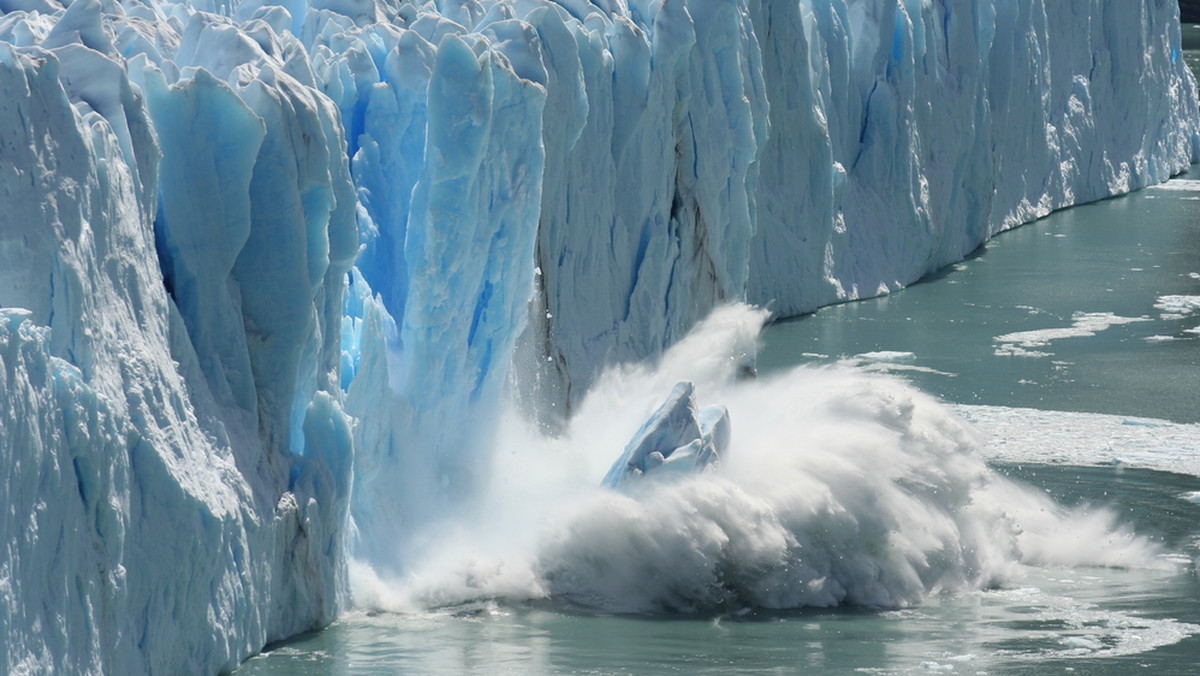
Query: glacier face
x,y
930,128
267,271
179,463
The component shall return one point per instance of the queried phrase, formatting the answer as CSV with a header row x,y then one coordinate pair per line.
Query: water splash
x,y
839,487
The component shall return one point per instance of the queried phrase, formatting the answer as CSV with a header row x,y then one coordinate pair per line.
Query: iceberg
x,y
269,272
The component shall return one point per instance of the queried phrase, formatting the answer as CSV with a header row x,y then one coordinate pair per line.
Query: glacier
x,y
270,273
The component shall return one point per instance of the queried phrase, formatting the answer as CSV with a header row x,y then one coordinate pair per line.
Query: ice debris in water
x,y
678,439
1177,306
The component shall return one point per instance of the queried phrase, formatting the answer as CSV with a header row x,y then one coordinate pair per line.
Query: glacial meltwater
x,y
1070,345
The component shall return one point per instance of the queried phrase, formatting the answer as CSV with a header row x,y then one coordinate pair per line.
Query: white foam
x,y
1082,629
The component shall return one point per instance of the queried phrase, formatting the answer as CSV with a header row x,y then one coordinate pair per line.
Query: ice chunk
x,y
676,439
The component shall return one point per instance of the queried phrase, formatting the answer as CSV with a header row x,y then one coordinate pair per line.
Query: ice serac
x,y
268,271
649,209
448,221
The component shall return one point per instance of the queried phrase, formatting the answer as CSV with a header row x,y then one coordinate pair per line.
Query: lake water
x,y
1073,344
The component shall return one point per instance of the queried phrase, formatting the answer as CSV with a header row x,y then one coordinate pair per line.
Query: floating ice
x,y
888,356
1177,306
1059,437
889,361
1084,325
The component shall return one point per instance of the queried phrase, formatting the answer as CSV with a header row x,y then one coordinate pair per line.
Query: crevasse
x,y
268,270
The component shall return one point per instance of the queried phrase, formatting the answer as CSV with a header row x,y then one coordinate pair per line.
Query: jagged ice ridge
x,y
268,270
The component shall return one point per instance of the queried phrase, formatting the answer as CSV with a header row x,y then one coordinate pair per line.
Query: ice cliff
x,y
268,270
172,261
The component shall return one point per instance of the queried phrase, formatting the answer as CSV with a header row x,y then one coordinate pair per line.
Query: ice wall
x,y
927,128
263,265
171,272
861,146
